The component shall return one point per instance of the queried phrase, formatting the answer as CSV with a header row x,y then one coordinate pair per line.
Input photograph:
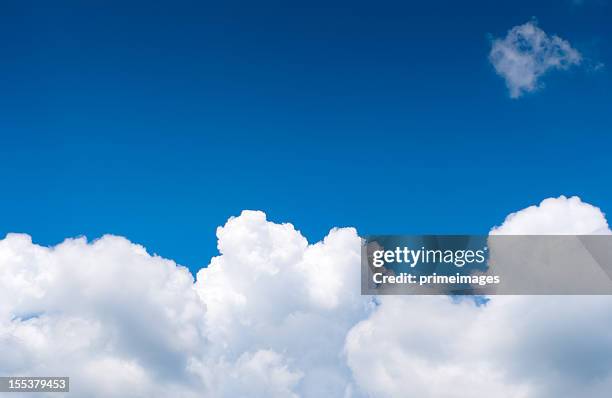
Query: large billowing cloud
x,y
117,320
274,316
514,346
267,318
526,54
269,290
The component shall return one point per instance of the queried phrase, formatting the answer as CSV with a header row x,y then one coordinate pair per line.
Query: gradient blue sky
x,y
158,121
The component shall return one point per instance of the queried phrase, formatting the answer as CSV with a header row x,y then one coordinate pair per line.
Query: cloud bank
x,y
526,54
275,316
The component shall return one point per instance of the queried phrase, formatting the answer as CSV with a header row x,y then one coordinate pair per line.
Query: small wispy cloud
x,y
526,54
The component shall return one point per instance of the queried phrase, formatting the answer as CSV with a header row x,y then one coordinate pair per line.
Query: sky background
x,y
158,122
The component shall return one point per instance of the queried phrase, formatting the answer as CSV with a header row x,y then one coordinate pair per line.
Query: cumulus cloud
x,y
514,346
270,290
275,316
556,216
99,312
526,54
261,320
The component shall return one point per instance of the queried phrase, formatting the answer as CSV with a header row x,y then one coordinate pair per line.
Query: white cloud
x,y
263,321
262,374
270,290
559,216
526,54
98,311
514,346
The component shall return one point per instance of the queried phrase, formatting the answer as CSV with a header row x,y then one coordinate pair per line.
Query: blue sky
x,y
158,121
